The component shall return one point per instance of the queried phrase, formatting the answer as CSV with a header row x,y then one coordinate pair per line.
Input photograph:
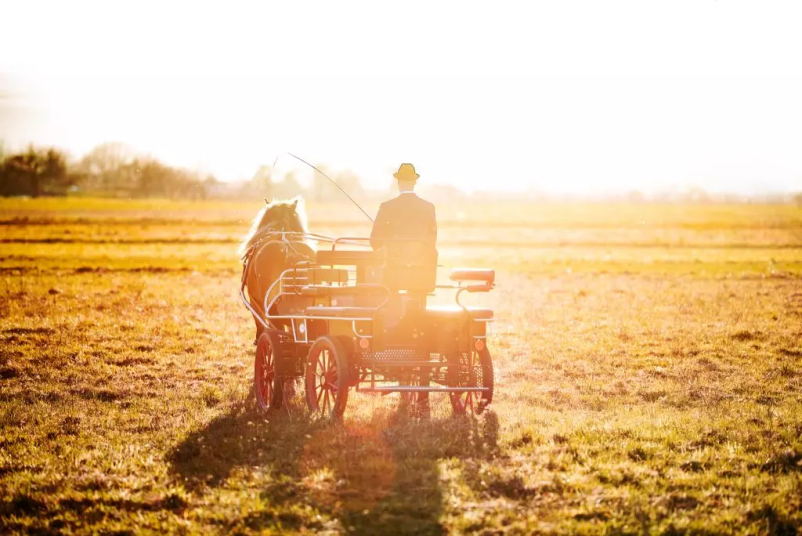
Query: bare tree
x,y
262,181
100,168
34,172
288,187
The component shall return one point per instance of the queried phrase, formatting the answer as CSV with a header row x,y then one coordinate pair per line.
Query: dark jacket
x,y
407,216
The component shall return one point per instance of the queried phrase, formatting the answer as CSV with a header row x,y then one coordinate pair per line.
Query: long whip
x,y
330,180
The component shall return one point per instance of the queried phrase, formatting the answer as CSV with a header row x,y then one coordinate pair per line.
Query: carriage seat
x,y
473,274
344,312
453,312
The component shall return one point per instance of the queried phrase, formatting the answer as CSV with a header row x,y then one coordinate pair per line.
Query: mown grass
x,y
632,396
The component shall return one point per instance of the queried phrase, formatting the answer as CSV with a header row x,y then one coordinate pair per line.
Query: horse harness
x,y
251,251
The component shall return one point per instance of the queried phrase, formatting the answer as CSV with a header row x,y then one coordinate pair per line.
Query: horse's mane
x,y
288,215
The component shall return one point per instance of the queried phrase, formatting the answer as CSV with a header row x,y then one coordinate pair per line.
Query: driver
x,y
407,216
406,230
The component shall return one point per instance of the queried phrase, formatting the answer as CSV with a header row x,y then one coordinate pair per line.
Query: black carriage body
x,y
350,303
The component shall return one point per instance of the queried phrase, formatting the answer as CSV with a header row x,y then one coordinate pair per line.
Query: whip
x,y
351,199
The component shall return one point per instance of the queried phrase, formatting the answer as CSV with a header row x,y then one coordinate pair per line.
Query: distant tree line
x,y
113,170
108,170
266,185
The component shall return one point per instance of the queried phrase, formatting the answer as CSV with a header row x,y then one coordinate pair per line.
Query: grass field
x,y
648,361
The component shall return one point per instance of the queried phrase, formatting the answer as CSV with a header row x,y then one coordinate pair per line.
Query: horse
x,y
266,253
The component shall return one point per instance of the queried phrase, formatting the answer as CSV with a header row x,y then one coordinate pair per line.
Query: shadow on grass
x,y
376,476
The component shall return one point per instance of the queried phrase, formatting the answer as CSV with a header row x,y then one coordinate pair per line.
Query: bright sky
x,y
559,96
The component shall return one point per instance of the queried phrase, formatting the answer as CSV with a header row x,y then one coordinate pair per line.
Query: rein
x,y
270,235
249,253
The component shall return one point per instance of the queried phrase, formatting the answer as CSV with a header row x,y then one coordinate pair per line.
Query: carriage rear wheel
x,y
327,377
479,372
268,386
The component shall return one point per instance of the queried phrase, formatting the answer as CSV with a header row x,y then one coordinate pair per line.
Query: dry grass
x,y
654,389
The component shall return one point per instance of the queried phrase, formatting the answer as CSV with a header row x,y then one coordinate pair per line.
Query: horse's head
x,y
285,216
288,216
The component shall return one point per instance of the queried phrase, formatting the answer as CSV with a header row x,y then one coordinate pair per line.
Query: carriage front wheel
x,y
327,377
268,386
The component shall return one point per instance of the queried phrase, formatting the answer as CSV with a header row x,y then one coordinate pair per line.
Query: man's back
x,y
405,217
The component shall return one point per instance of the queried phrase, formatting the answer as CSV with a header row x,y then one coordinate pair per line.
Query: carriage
x,y
354,318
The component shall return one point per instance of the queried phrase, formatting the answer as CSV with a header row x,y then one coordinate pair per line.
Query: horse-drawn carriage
x,y
351,317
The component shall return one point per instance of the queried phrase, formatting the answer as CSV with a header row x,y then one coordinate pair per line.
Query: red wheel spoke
x,y
324,392
265,374
268,374
319,376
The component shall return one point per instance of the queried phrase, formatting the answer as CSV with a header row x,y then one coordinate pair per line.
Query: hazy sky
x,y
560,96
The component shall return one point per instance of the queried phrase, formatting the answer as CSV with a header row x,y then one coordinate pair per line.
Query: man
x,y
405,217
406,230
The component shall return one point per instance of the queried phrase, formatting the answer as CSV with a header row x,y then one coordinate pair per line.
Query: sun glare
x,y
699,94
395,268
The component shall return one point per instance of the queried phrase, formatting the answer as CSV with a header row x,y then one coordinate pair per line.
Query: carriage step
x,y
402,363
416,388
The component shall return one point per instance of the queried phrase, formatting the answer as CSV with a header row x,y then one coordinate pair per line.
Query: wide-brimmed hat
x,y
406,172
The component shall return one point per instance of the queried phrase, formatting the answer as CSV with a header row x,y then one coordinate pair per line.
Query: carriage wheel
x,y
268,386
478,376
327,377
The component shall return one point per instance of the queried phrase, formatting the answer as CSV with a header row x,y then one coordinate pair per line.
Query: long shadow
x,y
381,476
